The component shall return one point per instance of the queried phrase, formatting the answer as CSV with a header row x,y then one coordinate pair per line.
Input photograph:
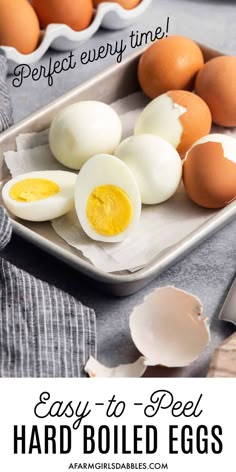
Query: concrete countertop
x,y
209,270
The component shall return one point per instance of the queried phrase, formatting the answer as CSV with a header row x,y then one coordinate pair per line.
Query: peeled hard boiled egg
x,y
19,25
169,64
155,164
209,171
40,195
215,83
107,199
82,130
178,116
75,13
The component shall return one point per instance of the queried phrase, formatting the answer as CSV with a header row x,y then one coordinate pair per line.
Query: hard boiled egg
x,y
178,116
155,164
41,195
209,171
215,83
83,130
107,199
169,64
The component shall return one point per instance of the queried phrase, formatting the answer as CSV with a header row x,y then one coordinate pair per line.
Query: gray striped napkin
x,y
44,332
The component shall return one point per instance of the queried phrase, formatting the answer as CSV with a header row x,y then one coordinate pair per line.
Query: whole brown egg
x,y
216,84
19,25
127,4
77,14
169,64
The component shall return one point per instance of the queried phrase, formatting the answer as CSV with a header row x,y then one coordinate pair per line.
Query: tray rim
x,y
161,262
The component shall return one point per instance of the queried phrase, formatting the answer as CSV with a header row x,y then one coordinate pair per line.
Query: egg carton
x,y
62,38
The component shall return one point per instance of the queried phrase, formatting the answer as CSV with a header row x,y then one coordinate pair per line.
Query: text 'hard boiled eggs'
x,y
209,171
178,116
107,199
83,130
155,164
167,328
40,196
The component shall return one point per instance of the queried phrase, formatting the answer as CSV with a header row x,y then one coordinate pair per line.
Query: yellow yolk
x,y
32,190
109,210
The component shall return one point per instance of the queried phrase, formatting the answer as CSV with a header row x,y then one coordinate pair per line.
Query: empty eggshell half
x,y
168,328
95,369
180,117
209,171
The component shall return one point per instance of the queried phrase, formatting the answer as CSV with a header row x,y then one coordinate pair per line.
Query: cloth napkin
x,y
44,332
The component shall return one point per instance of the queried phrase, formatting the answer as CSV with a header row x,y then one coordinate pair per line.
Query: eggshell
x,y
19,25
209,171
76,14
95,369
168,328
83,130
215,83
179,116
155,165
127,4
169,64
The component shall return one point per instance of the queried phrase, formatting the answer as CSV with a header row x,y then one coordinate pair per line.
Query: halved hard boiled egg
x,y
178,116
41,195
107,199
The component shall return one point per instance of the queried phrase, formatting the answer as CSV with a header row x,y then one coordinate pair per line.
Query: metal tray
x,y
114,83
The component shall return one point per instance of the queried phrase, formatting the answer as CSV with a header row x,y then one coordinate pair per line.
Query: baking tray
x,y
113,84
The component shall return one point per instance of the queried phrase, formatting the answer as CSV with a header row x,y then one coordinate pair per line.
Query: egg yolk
x,y
109,210
32,190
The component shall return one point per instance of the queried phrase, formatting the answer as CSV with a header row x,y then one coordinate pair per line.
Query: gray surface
x,y
206,272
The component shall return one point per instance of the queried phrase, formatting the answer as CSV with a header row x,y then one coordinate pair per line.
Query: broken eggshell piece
x,y
168,328
95,369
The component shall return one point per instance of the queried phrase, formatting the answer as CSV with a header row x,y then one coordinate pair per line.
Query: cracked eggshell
x,y
209,171
168,328
178,116
95,369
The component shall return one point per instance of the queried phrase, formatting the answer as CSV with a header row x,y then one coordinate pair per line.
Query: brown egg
x,y
180,117
196,122
209,171
19,25
127,4
216,84
169,64
74,13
